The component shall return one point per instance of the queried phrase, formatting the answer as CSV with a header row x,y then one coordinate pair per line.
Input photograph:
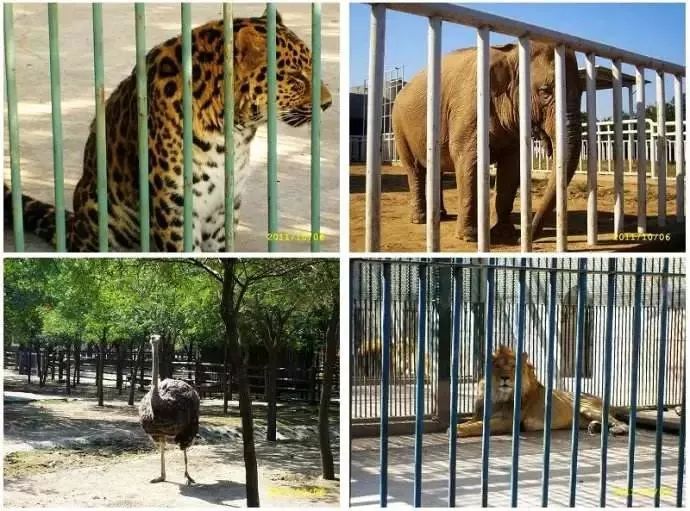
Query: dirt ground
x,y
163,22
66,451
399,235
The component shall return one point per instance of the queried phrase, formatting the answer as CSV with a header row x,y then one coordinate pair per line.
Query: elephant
x,y
458,132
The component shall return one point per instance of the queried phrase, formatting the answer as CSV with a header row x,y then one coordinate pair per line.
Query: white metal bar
x,y
478,19
433,146
680,153
618,210
592,156
525,99
661,147
483,159
372,231
630,132
561,157
641,152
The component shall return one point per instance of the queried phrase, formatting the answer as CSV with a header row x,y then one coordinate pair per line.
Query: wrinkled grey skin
x,y
458,134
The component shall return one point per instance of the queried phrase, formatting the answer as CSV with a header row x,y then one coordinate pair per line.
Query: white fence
x,y
483,22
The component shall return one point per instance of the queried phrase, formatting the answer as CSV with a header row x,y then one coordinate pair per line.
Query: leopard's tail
x,y
39,217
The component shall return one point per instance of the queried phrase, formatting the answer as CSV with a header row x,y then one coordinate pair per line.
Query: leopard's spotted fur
x,y
165,139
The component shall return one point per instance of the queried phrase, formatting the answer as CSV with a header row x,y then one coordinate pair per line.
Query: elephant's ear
x,y
504,70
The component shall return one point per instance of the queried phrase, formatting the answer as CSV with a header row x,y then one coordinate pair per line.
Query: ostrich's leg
x,y
186,474
162,477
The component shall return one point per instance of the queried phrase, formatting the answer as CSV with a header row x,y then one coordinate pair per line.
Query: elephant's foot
x,y
505,233
466,233
418,216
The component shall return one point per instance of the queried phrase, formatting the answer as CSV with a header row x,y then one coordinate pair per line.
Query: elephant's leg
x,y
507,183
464,156
416,178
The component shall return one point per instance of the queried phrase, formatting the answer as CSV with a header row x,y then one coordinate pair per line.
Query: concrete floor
x,y
163,22
365,470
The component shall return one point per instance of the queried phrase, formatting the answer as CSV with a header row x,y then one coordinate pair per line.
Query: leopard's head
x,y
294,73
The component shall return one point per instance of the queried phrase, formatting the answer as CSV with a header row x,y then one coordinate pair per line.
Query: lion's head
x,y
503,375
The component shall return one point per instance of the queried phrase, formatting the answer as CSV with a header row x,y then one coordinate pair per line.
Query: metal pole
x,y
229,125
661,146
631,142
661,382
142,126
101,161
483,159
272,127
606,398
634,368
433,144
618,207
385,378
525,93
680,146
641,152
454,364
372,230
419,387
561,157
316,127
56,109
517,390
579,356
13,128
680,470
488,359
592,228
187,133
548,408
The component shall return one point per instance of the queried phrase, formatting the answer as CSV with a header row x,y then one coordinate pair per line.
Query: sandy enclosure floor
x,y
69,452
365,470
399,235
163,22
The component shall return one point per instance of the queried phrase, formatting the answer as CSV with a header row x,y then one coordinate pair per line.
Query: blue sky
x,y
657,30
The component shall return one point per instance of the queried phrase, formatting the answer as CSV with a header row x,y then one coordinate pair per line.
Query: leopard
x,y
165,139
532,403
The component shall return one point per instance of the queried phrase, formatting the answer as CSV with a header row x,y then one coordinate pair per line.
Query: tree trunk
x,y
28,365
271,391
68,382
229,314
118,367
226,384
77,363
39,367
101,365
136,363
61,366
328,368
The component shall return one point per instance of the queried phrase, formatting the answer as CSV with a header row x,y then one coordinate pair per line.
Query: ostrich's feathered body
x,y
171,413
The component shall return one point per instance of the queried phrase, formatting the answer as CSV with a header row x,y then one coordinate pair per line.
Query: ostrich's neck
x,y
154,370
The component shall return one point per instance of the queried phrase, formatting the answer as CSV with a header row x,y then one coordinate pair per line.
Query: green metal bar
x,y
187,124
56,109
316,127
13,126
229,123
142,127
101,162
272,126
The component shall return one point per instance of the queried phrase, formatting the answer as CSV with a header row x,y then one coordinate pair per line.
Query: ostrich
x,y
170,410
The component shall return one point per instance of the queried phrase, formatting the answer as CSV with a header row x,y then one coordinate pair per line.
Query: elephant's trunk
x,y
574,144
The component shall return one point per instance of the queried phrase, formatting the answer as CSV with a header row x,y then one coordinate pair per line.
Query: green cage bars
x,y
99,93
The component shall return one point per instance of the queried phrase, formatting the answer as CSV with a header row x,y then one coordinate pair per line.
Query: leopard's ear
x,y
279,20
249,47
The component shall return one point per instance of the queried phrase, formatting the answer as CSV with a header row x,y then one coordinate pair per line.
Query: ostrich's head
x,y
154,339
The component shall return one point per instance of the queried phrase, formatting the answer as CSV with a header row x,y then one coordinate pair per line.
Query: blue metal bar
x,y
681,451
663,336
488,357
419,387
454,364
548,408
637,333
579,352
608,347
517,390
385,370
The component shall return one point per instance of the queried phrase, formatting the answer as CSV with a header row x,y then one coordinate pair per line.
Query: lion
x,y
532,403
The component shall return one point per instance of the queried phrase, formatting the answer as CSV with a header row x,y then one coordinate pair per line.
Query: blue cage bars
x,y
187,108
602,320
